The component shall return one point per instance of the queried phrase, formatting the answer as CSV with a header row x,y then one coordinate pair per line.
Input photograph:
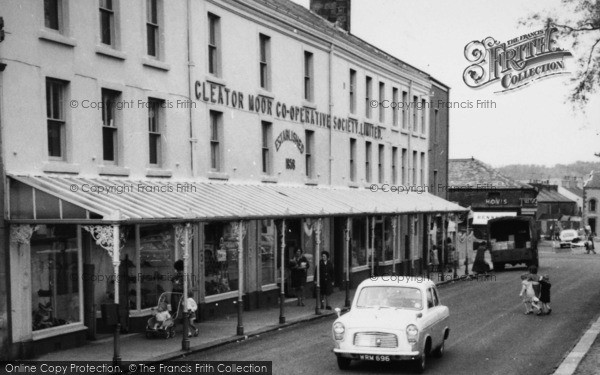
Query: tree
x,y
580,26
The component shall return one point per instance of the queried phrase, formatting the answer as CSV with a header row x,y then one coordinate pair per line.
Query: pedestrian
x,y
299,270
177,287
535,280
434,260
590,244
452,258
326,277
545,294
479,264
191,307
528,295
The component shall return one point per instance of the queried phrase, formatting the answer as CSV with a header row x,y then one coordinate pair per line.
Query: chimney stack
x,y
335,11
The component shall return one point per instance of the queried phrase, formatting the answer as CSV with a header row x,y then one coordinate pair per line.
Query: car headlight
x,y
338,331
412,333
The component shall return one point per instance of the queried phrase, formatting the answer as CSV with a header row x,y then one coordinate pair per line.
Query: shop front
x,y
72,253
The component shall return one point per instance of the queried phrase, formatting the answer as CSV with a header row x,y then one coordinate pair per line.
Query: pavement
x,y
222,331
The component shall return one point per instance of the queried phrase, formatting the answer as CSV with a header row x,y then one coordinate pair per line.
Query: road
x,y
490,334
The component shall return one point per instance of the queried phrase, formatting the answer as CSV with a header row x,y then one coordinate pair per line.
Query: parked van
x,y
512,240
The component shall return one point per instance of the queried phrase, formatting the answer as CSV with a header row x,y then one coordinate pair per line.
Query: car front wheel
x,y
420,363
343,363
439,351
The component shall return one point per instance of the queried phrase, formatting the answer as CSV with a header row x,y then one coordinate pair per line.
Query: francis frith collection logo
x,y
515,63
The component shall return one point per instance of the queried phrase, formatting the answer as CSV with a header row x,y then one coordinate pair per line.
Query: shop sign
x,y
496,201
528,202
289,135
215,93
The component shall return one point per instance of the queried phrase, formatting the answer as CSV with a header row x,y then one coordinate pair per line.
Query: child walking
x,y
545,294
528,294
192,307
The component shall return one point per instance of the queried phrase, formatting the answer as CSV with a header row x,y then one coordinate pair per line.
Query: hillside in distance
x,y
579,169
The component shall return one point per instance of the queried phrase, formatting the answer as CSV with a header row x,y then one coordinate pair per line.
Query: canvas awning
x,y
75,199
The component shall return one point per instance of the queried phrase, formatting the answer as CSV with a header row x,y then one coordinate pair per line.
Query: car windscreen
x,y
399,297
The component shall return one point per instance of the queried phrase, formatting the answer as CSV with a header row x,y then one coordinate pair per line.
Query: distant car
x,y
570,238
392,318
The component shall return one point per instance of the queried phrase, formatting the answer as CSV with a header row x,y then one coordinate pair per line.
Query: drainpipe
x,y
190,94
330,106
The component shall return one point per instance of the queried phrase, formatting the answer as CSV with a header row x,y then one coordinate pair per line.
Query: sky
x,y
532,125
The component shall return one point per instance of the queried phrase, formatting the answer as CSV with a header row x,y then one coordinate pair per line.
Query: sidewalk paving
x,y
213,333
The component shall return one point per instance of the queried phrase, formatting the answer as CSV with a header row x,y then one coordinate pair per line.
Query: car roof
x,y
406,281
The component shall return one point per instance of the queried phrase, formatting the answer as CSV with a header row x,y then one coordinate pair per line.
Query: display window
x,y
220,258
267,251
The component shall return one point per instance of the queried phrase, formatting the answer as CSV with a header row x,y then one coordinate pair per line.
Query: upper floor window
x,y
415,124
53,15
404,163
153,27
352,159
56,123
266,147
214,44
308,76
423,111
109,125
436,115
368,161
404,110
107,22
381,164
155,129
352,91
265,59
592,205
310,140
415,161
394,165
395,110
216,119
381,99
368,94
422,169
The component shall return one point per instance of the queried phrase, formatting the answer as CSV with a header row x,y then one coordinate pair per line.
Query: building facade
x,y
225,133
591,199
488,193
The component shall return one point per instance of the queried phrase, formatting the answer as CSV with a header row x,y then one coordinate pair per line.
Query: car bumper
x,y
356,354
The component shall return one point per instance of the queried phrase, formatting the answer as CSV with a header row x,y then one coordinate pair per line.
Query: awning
x,y
49,198
481,218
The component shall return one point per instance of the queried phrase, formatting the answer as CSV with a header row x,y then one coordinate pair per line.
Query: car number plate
x,y
371,357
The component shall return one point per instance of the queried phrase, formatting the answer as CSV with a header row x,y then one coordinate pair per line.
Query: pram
x,y
166,329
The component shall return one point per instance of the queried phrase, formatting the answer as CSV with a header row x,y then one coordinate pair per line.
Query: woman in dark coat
x,y
479,265
299,266
177,289
326,279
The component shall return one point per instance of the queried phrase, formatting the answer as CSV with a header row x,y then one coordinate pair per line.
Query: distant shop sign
x,y
481,218
219,94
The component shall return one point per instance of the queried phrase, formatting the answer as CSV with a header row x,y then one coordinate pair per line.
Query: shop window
x,y
383,239
310,242
358,242
55,276
267,251
157,250
220,258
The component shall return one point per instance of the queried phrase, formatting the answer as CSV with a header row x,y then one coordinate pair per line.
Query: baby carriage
x,y
162,323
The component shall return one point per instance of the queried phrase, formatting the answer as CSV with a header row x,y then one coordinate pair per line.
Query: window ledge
x,y
218,175
221,296
104,50
311,182
269,179
156,64
61,167
352,116
353,185
395,130
151,172
56,37
415,135
58,330
113,170
265,93
307,104
404,131
216,80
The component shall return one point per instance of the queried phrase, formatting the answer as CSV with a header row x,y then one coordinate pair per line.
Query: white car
x,y
392,318
570,238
